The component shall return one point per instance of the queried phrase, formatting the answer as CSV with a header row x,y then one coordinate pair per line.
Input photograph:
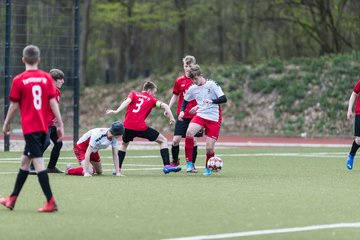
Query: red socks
x,y
189,145
75,171
208,156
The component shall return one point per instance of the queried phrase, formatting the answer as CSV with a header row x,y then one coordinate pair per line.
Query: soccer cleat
x,y
168,168
54,170
68,166
121,175
175,163
50,206
350,161
194,170
8,202
207,172
189,167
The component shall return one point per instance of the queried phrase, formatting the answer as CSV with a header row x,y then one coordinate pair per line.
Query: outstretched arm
x,y
173,99
123,105
168,112
116,161
87,162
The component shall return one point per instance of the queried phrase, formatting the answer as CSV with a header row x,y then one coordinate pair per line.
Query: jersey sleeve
x,y
92,141
114,143
15,91
217,89
176,88
189,94
357,87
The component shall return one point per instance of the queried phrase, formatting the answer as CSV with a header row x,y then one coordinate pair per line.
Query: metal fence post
x,y
7,69
76,70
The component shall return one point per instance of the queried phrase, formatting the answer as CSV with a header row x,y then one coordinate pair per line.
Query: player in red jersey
x,y
33,93
58,78
181,85
138,106
350,115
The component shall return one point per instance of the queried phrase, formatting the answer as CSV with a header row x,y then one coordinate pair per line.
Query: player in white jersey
x,y
87,150
208,96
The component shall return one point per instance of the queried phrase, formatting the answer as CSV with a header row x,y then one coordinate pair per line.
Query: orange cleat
x,y
8,202
50,206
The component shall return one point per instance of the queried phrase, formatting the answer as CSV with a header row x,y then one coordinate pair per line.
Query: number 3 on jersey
x,y
36,91
138,105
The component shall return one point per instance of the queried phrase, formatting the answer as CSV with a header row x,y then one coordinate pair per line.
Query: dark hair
x,y
117,128
31,54
149,86
56,74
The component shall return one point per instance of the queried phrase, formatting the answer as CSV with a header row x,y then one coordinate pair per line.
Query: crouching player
x,y
208,96
87,147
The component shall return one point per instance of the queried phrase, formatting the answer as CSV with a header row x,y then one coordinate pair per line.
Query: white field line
x,y
317,155
271,231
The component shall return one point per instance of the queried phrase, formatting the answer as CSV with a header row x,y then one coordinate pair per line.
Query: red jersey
x,y
137,111
33,89
357,105
52,118
181,85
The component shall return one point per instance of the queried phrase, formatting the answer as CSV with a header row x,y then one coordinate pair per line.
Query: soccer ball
x,y
215,164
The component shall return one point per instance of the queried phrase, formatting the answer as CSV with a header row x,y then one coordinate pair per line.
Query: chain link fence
x,y
53,26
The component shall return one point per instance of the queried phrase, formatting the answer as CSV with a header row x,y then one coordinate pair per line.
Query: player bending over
x,y
87,150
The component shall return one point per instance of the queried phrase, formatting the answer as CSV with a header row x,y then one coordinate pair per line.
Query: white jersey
x,y
97,139
209,90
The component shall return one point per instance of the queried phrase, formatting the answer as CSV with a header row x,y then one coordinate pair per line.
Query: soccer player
x,y
355,145
87,150
208,96
181,85
58,78
138,106
33,93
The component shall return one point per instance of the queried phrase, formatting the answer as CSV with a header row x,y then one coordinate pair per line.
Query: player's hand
x,y
87,174
172,121
109,111
181,115
6,129
349,115
208,101
193,110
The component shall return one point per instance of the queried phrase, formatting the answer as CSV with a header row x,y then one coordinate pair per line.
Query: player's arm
x,y
123,105
88,152
14,106
173,99
167,110
116,161
352,99
60,125
182,110
219,100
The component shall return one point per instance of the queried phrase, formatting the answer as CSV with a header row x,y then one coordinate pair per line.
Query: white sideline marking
x,y
271,231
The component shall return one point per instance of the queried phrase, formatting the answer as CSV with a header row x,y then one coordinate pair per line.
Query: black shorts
x,y
149,134
182,126
357,125
35,144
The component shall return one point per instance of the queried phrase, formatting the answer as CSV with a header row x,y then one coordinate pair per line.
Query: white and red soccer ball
x,y
215,164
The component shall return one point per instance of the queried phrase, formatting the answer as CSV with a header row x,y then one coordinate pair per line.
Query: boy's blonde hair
x,y
189,60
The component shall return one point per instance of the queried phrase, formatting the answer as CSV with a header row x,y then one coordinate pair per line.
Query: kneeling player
x,y
87,147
